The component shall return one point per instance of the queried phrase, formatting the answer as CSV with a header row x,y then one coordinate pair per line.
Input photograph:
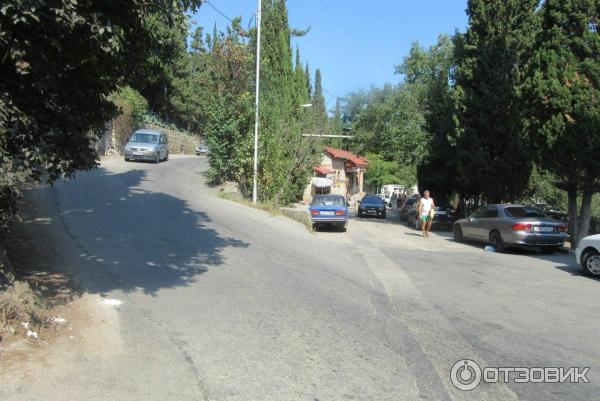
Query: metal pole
x,y
255,175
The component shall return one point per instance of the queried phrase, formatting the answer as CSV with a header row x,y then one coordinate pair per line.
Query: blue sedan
x,y
329,210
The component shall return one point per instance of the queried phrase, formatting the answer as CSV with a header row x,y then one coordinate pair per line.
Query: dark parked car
x,y
409,203
329,210
371,205
443,217
504,226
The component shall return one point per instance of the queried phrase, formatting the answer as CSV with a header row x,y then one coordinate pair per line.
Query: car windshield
x,y
372,198
521,212
328,200
144,138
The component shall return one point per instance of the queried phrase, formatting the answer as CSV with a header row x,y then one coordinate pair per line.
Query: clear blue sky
x,y
360,46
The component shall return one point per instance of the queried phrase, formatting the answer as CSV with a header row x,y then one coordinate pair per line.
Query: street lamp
x,y
255,173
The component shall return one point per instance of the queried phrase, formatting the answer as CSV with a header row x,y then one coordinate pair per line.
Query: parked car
x,y
329,210
371,205
201,150
409,203
146,144
443,217
503,226
588,255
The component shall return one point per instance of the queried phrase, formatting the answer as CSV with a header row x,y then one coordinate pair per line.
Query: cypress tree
x,y
318,99
563,96
285,157
308,83
336,124
494,159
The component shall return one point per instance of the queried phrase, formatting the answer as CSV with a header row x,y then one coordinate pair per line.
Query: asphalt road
x,y
224,302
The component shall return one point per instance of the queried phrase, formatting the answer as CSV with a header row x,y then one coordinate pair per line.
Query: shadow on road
x,y
144,240
575,270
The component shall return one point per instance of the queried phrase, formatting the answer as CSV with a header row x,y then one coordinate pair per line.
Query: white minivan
x,y
389,190
147,144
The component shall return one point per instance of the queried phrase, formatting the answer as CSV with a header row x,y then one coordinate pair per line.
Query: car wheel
x,y
342,227
360,214
167,156
496,241
127,159
458,234
383,216
590,262
549,250
157,158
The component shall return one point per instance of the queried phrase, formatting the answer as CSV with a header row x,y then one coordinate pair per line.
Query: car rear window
x,y
328,200
523,212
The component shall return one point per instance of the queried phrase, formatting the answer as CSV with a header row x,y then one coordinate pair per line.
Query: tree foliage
x,y
494,156
60,61
218,98
430,74
562,91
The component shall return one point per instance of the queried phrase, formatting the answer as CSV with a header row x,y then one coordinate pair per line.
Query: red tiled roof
x,y
346,154
324,169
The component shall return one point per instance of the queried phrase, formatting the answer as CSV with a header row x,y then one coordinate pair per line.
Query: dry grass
x,y
32,300
19,303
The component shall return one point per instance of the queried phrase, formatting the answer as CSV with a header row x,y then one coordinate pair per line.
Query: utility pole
x,y
255,175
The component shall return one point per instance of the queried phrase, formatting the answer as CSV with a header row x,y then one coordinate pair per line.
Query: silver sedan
x,y
503,226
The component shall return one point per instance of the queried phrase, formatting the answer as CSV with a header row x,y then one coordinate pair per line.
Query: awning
x,y
324,170
320,182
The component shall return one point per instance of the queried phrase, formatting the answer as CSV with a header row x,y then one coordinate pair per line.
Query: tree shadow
x,y
127,238
575,270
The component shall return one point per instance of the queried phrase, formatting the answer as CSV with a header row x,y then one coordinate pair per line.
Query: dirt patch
x,y
31,313
85,326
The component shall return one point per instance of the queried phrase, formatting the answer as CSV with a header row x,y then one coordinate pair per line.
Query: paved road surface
x,y
223,302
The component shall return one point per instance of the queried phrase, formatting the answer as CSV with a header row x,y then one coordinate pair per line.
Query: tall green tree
x,y
308,82
392,124
562,91
429,72
336,125
318,99
494,156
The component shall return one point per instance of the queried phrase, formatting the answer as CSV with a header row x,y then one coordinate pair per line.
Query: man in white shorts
x,y
426,207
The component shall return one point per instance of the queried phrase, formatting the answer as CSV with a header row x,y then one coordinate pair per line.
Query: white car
x,y
588,255
201,150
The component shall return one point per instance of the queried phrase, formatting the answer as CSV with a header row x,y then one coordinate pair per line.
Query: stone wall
x,y
179,142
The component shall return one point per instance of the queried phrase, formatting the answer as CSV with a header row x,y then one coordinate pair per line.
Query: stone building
x,y
341,172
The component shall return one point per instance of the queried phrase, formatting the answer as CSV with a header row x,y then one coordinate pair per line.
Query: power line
x,y
219,11
330,94
355,37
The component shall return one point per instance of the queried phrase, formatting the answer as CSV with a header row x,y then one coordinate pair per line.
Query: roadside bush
x,y
132,108
19,303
